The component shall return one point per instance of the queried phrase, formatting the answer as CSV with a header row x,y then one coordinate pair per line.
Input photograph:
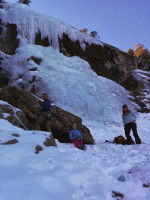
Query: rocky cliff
x,y
24,111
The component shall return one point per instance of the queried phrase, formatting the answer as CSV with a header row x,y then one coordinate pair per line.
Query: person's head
x,y
125,109
74,126
45,96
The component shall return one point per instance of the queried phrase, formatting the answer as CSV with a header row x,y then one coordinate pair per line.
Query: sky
x,y
121,23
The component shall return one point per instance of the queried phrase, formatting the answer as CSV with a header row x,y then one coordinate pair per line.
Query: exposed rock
x,y
33,69
146,185
117,195
13,115
121,178
23,100
4,77
38,149
138,84
14,141
1,4
41,41
35,59
61,121
8,41
15,135
50,141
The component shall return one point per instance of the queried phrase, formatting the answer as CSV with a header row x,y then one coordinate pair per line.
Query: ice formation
x,y
69,81
29,23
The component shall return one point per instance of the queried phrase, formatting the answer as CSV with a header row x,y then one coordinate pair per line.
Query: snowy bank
x,y
66,173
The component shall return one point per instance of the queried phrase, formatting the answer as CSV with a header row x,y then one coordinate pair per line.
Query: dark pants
x,y
44,122
132,126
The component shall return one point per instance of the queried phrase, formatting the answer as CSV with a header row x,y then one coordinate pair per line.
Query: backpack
x,y
120,140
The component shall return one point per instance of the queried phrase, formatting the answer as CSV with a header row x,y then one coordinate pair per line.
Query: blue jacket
x,y
128,118
45,105
75,133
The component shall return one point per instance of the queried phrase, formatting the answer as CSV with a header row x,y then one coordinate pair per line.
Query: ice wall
x,y
30,22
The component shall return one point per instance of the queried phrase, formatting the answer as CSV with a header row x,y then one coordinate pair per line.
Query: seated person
x,y
76,137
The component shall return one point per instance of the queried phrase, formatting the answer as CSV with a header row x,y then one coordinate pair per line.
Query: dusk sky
x,y
122,23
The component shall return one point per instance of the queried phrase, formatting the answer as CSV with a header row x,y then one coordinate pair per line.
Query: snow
x,y
30,22
6,115
15,110
142,71
66,173
3,102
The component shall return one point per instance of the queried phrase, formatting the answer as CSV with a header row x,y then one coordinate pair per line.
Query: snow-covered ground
x,y
66,173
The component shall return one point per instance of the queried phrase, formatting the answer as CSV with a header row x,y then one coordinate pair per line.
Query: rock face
x,y
106,60
139,85
9,43
61,121
14,141
13,115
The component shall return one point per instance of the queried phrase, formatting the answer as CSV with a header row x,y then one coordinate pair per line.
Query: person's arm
x,y
50,104
133,115
81,137
70,135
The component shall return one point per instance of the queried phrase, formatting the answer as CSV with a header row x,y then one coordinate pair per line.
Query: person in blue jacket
x,y
76,137
44,119
46,104
129,121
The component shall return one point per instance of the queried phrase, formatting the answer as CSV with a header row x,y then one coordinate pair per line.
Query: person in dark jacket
x,y
76,137
129,121
44,120
46,104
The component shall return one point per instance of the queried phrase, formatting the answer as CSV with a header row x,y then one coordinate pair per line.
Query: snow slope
x,y
65,173
30,22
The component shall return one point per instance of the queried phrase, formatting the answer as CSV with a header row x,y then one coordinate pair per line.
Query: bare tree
x,y
95,35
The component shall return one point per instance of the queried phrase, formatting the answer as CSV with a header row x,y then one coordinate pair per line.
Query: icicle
x,y
29,23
